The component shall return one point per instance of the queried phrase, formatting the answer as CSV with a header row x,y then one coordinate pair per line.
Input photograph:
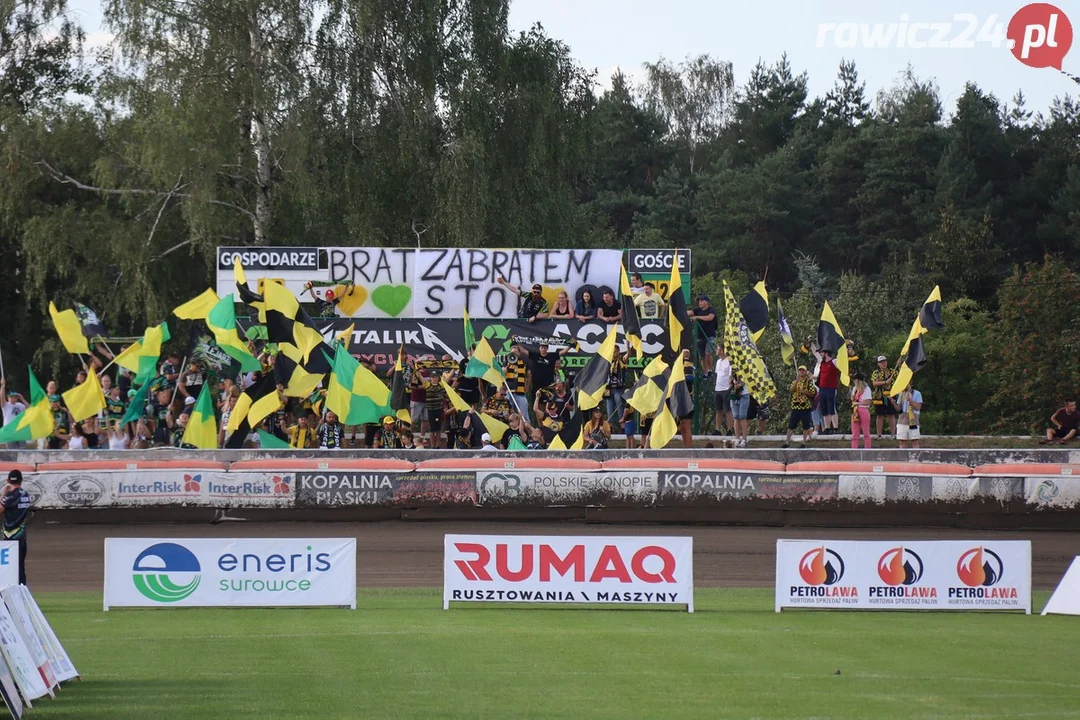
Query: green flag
x,y
271,442
222,322
138,403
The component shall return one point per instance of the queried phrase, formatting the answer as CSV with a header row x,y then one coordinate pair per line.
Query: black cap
x,y
15,477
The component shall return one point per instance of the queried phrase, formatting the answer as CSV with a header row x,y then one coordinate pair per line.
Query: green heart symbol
x,y
391,299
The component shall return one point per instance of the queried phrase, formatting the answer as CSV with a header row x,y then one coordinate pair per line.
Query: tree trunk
x,y
260,138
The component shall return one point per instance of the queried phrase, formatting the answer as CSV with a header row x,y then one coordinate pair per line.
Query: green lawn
x,y
399,655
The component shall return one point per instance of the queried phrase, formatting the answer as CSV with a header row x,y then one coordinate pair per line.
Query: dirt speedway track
x,y
66,557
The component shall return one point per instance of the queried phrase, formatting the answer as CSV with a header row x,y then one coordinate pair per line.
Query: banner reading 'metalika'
x,y
433,283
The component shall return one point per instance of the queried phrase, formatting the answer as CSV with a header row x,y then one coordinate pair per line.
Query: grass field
x,y
399,655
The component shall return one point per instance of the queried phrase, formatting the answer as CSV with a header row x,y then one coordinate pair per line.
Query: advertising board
x,y
212,572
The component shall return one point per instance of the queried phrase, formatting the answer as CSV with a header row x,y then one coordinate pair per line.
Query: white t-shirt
x,y
77,442
118,442
723,375
865,396
12,410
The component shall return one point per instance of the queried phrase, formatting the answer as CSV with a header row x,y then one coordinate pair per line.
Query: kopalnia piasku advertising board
x,y
931,575
578,570
249,572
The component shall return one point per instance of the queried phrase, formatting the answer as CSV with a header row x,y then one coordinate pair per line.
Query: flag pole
x,y
180,371
2,374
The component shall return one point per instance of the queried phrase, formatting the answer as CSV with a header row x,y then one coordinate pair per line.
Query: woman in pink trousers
x,y
861,397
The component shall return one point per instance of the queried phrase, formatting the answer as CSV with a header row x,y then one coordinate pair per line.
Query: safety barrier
x,y
517,479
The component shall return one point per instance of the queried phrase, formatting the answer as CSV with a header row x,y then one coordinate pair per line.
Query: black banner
x,y
377,340
332,488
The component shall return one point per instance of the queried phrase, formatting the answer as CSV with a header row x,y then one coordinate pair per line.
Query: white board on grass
x,y
9,692
25,672
1066,598
26,628
61,664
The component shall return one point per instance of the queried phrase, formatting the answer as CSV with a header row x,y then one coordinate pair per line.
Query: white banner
x,y
553,569
10,691
255,572
410,282
563,486
1053,491
9,563
931,575
80,489
20,613
1066,597
27,678
61,664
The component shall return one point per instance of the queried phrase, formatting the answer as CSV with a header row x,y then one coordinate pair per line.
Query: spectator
x,y
597,431
388,437
498,405
585,309
518,428
562,310
705,317
909,403
80,378
609,310
90,432
802,396
536,439
760,412
533,305
1064,424
861,398
486,440
191,382
115,408
52,388
616,389
541,366
62,422
629,426
177,425
881,380
76,441
226,413
408,441
170,371
650,306
143,436
118,436
14,406
636,285
417,383
828,382
558,394
328,307
467,387
435,406
517,377
722,391
301,435
330,434
740,407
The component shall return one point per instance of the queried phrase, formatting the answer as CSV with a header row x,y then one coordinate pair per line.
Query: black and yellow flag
x,y
651,388
746,360
678,319
591,382
677,405
913,356
567,436
290,372
630,321
755,309
286,321
830,339
399,394
253,405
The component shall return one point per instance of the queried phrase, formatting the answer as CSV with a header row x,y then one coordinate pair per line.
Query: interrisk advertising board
x,y
931,575
578,570
250,572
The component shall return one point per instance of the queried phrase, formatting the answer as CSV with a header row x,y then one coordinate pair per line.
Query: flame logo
x,y
821,566
980,567
900,566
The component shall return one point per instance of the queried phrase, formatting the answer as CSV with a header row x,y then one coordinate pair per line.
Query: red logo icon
x,y
281,484
1040,35
980,567
191,482
900,566
821,566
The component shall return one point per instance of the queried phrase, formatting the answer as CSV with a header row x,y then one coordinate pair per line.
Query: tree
x,y
694,98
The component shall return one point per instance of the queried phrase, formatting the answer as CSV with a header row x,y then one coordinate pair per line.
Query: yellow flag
x,y
456,400
85,400
69,329
198,308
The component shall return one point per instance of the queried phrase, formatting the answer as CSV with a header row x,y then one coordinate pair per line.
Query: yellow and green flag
x,y
69,329
483,364
199,307
202,430
35,422
142,357
222,322
87,399
355,394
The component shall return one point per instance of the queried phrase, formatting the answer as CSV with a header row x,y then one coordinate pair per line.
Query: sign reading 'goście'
x,y
550,569
301,572
931,575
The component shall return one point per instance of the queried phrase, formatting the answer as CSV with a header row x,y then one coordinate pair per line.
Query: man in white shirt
x,y
723,391
909,404
650,306
14,406
486,440
636,286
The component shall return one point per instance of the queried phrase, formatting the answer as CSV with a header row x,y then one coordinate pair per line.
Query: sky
x,y
605,35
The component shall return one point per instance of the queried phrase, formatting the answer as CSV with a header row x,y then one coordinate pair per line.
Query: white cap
x,y
486,437
882,358
189,400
